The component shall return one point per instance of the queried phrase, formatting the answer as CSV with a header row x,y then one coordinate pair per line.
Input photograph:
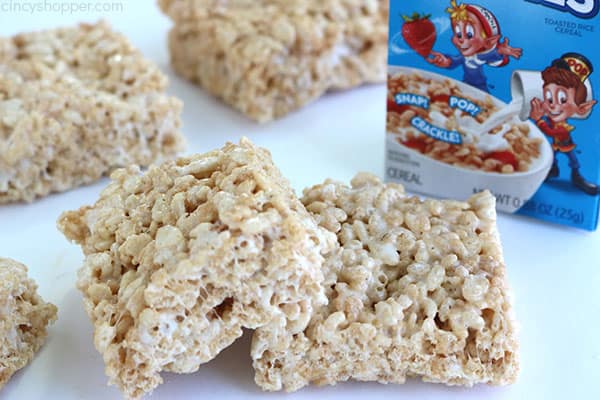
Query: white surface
x,y
554,271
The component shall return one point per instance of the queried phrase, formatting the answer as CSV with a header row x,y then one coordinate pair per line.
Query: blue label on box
x,y
505,91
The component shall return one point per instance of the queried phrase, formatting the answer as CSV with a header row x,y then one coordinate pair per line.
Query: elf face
x,y
469,37
559,102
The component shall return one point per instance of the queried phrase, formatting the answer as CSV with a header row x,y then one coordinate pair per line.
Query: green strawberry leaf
x,y
415,17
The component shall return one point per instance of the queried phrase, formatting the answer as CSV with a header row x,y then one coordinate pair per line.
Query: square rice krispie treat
x,y
76,103
24,317
267,58
181,258
416,289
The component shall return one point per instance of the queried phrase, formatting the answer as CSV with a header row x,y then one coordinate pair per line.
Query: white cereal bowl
x,y
430,176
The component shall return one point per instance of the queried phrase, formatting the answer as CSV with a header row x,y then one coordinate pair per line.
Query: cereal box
x,y
498,95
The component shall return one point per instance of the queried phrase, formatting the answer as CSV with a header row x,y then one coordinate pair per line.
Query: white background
x,y
554,271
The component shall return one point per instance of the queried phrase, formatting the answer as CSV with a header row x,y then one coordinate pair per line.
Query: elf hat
x,y
488,20
577,63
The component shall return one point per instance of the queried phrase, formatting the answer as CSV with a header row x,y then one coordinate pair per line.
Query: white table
x,y
554,271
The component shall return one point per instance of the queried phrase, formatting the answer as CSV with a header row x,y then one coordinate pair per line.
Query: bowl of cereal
x,y
455,139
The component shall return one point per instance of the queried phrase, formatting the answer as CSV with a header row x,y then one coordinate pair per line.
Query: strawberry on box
x,y
419,33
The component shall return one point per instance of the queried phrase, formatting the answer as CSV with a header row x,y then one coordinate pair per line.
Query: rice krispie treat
x,y
76,103
24,317
181,258
416,289
267,58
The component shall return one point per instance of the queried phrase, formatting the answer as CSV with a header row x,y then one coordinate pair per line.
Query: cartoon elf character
x,y
477,37
565,96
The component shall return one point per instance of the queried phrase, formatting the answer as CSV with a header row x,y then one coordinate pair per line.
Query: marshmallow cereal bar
x,y
267,58
416,289
76,103
178,260
24,318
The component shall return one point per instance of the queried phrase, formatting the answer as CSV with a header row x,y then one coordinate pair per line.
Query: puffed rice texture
x,y
75,104
178,260
416,289
24,318
267,58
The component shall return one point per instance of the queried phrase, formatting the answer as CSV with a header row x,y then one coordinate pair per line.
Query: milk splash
x,y
501,116
481,135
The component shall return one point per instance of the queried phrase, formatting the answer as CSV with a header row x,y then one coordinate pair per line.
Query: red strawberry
x,y
415,144
440,98
505,157
419,33
393,107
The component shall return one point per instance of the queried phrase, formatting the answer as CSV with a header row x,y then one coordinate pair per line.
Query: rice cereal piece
x,y
417,289
24,317
180,259
267,58
76,103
